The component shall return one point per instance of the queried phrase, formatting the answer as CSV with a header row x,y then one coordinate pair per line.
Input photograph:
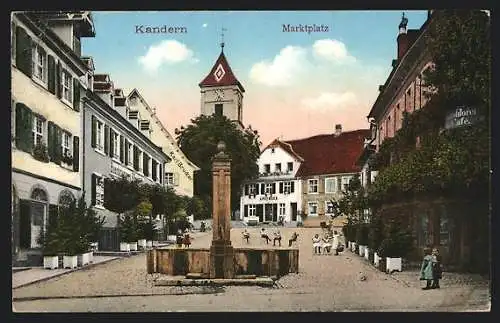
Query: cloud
x,y
282,70
167,51
332,50
204,25
330,101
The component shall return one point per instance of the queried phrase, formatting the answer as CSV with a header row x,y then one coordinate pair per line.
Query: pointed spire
x,y
222,39
403,24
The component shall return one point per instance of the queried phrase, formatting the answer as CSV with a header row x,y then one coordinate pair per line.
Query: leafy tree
x,y
199,142
352,202
146,226
122,194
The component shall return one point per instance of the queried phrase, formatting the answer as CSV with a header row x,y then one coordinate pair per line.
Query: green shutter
x,y
245,213
111,143
76,153
122,149
160,175
24,126
76,94
58,145
58,80
51,69
94,132
51,140
23,51
125,152
136,158
145,164
106,140
92,188
153,169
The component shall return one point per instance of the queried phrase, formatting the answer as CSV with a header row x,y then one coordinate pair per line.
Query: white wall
x,y
278,156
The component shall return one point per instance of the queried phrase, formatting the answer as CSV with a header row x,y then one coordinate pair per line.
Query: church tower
x,y
221,92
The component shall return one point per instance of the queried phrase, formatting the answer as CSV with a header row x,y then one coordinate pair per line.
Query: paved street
x,y
325,283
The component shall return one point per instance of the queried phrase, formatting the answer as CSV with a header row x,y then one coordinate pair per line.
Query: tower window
x,y
218,109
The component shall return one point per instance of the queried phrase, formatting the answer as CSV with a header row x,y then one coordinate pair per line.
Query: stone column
x,y
221,251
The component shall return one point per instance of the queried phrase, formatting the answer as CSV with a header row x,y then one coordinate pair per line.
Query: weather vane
x,y
222,38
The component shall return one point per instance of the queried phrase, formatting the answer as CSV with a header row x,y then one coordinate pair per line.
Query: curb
x,y
65,273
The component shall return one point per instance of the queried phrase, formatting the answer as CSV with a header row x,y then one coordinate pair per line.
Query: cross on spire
x,y
222,38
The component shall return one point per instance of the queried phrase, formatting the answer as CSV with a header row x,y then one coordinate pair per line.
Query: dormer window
x,y
267,168
144,124
290,166
133,114
272,150
277,167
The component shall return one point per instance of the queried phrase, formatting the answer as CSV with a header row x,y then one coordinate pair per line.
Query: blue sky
x,y
314,77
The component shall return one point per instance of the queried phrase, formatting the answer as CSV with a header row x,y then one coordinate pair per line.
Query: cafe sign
x,y
268,198
461,116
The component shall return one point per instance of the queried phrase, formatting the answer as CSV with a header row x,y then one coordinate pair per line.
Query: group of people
x,y
326,244
275,237
183,239
432,269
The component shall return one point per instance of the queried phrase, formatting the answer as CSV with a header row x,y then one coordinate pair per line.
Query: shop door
x,y
38,218
294,211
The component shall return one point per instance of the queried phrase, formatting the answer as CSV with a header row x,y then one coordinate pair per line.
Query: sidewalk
x,y
38,274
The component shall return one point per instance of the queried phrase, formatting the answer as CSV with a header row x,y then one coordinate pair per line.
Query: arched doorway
x,y
33,217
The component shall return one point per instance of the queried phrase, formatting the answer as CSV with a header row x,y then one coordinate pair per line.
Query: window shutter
x,y
153,169
122,149
111,142
125,152
93,184
58,80
24,126
281,187
145,164
106,140
160,175
23,51
245,214
51,140
256,189
246,189
292,189
262,188
13,40
58,145
136,158
274,188
94,132
76,94
76,154
260,211
51,70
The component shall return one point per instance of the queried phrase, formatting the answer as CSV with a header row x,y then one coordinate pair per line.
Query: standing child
x,y
316,244
437,270
426,269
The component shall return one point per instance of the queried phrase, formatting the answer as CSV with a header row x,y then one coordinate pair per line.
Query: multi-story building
x,y
329,165
179,174
114,147
276,192
46,88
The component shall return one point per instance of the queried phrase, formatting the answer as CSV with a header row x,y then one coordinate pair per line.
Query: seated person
x,y
263,235
187,240
277,237
246,235
327,244
293,239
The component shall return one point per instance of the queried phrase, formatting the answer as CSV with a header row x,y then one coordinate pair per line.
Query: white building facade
x,y
276,194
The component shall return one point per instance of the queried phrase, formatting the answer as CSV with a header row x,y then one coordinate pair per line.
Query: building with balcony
x,y
276,192
114,147
329,165
46,90
179,174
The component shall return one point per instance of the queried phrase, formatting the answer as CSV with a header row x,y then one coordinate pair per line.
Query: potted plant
x,y
41,153
50,243
397,244
362,237
145,222
70,258
67,159
375,237
128,232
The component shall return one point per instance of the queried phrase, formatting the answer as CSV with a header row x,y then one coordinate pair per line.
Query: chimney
x,y
403,42
338,130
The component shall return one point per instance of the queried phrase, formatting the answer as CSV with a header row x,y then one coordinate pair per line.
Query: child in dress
x,y
437,270
316,244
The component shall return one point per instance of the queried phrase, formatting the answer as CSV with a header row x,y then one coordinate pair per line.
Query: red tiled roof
x,y
225,74
285,146
330,154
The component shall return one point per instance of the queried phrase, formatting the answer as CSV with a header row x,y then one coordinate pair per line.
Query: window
x,y
100,135
269,188
312,208
252,211
267,168
272,150
345,182
66,143
330,185
282,208
38,126
252,189
116,145
290,167
277,167
313,186
99,191
329,207
218,110
39,63
67,81
169,179
287,187
130,154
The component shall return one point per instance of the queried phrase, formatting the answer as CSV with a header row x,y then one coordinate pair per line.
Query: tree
x,y
146,226
199,142
122,194
352,202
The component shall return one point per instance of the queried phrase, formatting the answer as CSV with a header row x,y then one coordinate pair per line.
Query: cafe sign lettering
x,y
461,116
269,198
180,164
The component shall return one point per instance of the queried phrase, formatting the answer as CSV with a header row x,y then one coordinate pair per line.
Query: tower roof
x,y
221,75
